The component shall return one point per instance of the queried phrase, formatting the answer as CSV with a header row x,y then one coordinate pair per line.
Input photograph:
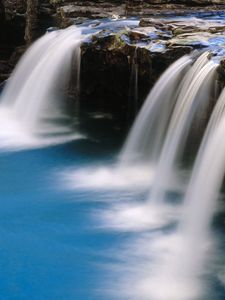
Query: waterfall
x,y
32,102
146,136
194,95
204,186
200,202
173,263
184,268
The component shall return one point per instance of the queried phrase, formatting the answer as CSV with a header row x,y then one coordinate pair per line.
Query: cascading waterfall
x,y
31,103
200,202
144,143
195,94
174,264
184,268
146,136
204,186
190,94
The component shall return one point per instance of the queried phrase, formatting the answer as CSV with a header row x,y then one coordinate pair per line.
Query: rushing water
x,y
76,221
195,95
146,136
31,103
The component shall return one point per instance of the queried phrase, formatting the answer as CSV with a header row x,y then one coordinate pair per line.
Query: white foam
x,y
14,136
152,267
138,216
32,109
109,177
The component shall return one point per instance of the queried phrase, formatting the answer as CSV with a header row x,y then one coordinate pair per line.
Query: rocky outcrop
x,y
68,11
110,59
115,61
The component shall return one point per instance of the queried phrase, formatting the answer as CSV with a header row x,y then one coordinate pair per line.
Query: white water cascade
x,y
31,107
146,136
175,264
189,95
183,270
195,95
205,185
166,256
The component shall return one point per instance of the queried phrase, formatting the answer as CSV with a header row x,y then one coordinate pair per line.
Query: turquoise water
x,y
49,247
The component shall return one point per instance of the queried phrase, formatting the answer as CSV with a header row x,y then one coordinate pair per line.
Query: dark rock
x,y
2,12
31,20
21,21
109,58
16,55
221,72
107,62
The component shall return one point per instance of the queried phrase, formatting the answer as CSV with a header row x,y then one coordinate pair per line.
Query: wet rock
x,y
221,72
143,34
16,55
110,58
4,70
21,22
67,12
14,8
105,72
146,22
195,40
107,64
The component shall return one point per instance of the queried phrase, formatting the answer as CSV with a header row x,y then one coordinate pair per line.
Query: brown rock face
x,y
31,20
